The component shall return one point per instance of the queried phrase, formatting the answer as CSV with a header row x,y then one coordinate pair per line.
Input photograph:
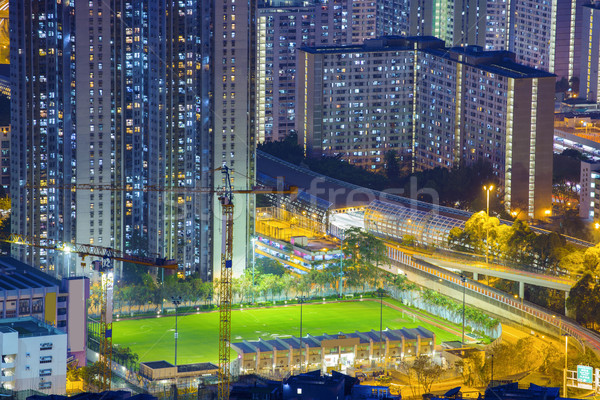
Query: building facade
x,y
438,106
119,93
5,158
34,356
589,77
458,23
234,131
544,35
27,292
334,352
42,128
284,27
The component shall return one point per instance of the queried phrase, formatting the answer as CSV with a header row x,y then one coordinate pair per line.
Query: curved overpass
x,y
485,297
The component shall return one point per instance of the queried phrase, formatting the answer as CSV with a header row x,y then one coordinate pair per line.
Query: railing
x,y
485,293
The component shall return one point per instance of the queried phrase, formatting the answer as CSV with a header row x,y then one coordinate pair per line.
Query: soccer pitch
x,y
153,338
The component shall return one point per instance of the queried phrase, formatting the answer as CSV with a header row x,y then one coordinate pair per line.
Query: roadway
x,y
499,271
496,301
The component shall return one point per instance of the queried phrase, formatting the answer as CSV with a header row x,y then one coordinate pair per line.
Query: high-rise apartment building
x,y
544,35
438,105
43,134
5,159
589,77
283,27
113,93
457,22
234,133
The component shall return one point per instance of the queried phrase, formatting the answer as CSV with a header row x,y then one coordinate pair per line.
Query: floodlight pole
x,y
341,265
253,240
565,373
301,300
176,301
463,278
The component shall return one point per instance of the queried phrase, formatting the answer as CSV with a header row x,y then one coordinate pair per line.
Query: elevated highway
x,y
495,302
500,271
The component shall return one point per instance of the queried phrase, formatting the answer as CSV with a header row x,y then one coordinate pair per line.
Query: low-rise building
x,y
25,291
34,356
333,352
160,375
589,192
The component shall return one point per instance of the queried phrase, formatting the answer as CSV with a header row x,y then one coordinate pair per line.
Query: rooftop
x,y
158,364
498,62
315,341
197,367
15,275
28,327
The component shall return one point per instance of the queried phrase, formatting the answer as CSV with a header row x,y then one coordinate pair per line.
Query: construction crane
x,y
225,285
105,267
226,278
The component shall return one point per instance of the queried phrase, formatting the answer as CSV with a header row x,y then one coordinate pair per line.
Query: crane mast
x,y
225,283
106,311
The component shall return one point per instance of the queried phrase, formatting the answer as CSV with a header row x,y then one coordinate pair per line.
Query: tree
x,y
581,299
392,166
574,89
90,375
265,265
591,259
562,85
520,242
545,248
573,262
426,372
287,149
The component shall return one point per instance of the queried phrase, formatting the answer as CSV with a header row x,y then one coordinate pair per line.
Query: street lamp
x,y
176,301
341,266
487,189
463,278
565,373
522,310
380,293
67,251
253,240
301,300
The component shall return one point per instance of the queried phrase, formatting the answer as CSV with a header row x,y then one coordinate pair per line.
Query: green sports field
x,y
153,338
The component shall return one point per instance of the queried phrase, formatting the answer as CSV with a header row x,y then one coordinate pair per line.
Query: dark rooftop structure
x,y
198,367
310,385
28,327
16,275
158,364
107,395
